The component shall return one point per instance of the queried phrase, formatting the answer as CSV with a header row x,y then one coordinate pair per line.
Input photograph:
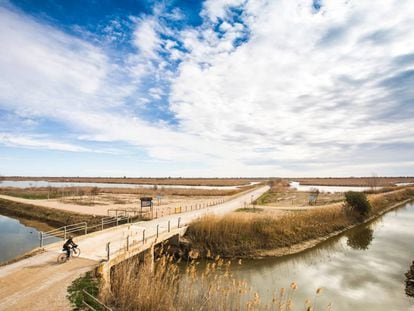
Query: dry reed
x,y
213,287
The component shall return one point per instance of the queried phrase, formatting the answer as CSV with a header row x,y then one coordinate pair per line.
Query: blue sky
x,y
207,88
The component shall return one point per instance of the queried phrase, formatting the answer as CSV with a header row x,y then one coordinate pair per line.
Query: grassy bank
x,y
247,235
53,217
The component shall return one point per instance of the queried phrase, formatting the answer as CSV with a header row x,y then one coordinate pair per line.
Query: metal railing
x,y
63,232
140,238
82,228
97,305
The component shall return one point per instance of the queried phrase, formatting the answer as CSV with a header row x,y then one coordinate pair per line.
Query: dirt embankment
x,y
53,217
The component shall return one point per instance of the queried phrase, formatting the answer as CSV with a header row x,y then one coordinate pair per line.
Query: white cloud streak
x,y
281,90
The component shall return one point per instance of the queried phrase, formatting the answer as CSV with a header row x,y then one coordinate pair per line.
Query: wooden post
x,y
41,239
108,250
169,226
157,230
128,243
143,236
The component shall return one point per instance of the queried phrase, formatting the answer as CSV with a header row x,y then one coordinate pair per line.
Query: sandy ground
x,y
103,203
38,283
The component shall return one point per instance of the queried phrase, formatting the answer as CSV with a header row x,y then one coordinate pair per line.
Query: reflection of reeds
x,y
213,287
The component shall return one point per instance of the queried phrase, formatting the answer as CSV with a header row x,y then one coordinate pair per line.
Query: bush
x,y
358,202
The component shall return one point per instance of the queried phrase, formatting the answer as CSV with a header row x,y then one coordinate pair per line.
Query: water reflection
x,y
360,239
363,270
16,238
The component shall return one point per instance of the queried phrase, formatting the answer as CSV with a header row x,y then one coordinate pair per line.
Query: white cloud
x,y
146,38
39,142
282,90
309,85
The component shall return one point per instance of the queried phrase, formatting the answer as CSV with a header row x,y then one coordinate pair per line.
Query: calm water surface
x,y
299,187
17,238
43,183
362,270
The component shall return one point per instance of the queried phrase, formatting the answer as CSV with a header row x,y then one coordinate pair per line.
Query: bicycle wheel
x,y
75,252
62,258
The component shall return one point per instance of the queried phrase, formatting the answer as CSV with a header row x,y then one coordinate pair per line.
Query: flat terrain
x,y
158,181
100,204
37,283
355,181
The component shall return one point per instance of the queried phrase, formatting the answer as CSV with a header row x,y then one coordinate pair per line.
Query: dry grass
x,y
213,287
244,235
45,193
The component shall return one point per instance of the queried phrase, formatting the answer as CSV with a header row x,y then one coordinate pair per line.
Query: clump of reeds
x,y
244,235
213,287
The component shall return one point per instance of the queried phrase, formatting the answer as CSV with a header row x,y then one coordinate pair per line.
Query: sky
x,y
213,88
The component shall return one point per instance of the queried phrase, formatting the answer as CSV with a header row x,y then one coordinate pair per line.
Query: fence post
x,y
64,235
143,236
157,230
128,243
179,219
101,223
117,220
41,239
108,250
86,228
169,226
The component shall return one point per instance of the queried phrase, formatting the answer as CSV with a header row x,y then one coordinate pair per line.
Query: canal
x,y
19,236
360,270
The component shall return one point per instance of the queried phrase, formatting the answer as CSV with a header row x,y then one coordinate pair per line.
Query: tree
x,y
358,202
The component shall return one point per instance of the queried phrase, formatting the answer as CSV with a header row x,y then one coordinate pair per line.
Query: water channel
x,y
43,183
360,270
19,236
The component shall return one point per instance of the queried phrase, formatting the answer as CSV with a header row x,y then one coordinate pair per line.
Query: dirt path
x,y
34,283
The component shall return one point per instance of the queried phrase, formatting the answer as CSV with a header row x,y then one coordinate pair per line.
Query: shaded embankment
x,y
53,217
256,235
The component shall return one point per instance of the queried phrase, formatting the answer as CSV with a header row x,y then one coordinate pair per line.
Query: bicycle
x,y
73,252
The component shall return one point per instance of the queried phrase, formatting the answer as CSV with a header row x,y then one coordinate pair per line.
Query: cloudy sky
x,y
207,88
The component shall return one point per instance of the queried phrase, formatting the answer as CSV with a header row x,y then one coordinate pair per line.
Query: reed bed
x,y
241,235
213,287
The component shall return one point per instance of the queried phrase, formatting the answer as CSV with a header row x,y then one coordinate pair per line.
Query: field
x,y
104,201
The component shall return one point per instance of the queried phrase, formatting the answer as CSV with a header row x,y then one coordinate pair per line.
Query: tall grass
x,y
169,287
245,235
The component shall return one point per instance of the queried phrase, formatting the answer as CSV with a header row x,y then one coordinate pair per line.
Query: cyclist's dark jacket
x,y
69,243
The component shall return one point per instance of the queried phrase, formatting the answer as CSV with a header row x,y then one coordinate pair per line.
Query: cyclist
x,y
68,245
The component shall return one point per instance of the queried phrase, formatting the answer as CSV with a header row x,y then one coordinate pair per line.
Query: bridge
x,y
39,283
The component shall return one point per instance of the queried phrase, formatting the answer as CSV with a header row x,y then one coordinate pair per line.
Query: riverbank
x,y
259,236
50,216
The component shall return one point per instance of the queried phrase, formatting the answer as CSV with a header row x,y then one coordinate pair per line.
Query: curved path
x,y
38,283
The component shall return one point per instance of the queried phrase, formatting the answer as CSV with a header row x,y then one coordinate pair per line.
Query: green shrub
x,y
358,202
